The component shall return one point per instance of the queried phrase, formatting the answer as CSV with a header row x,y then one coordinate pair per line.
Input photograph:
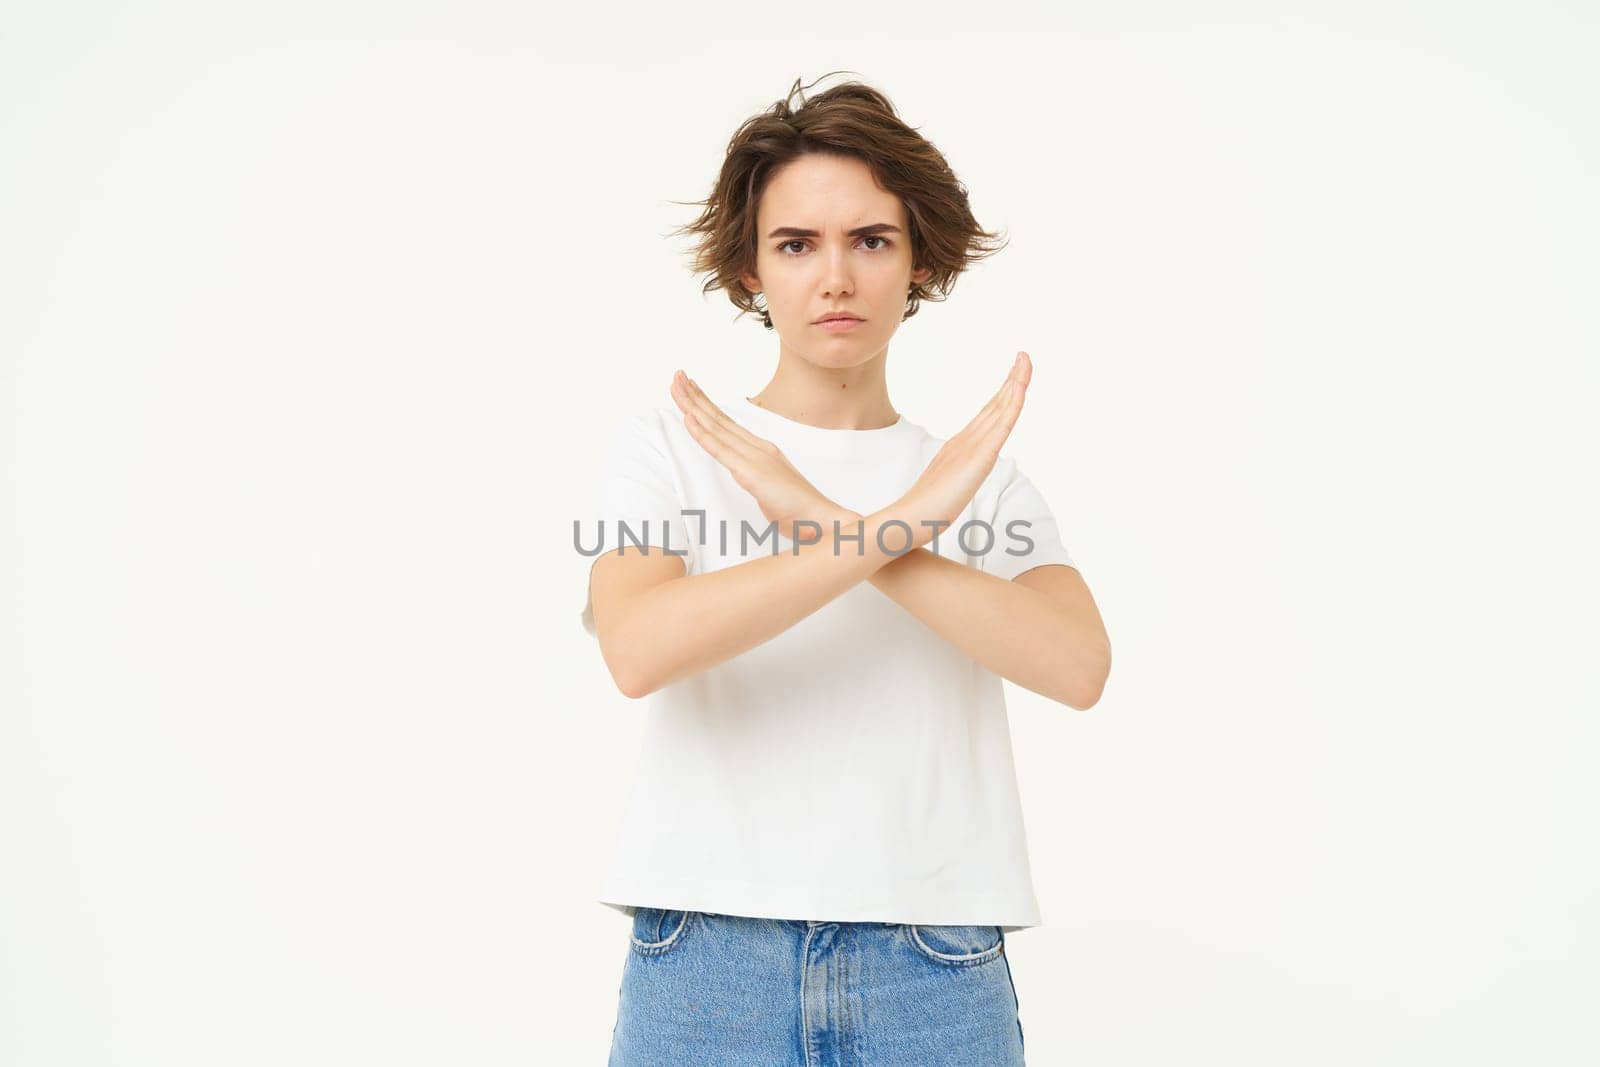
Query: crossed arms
x,y
656,624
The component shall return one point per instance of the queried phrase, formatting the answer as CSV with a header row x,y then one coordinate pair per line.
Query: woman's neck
x,y
849,398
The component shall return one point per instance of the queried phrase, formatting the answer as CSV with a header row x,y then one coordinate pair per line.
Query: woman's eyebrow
x,y
859,231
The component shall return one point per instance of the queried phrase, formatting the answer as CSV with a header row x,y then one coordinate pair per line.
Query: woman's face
x,y
809,263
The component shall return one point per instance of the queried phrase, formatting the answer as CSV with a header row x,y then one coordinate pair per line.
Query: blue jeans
x,y
709,990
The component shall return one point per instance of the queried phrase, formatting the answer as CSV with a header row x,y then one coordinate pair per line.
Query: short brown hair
x,y
853,120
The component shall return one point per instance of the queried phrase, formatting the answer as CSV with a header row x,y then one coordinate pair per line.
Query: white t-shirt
x,y
856,767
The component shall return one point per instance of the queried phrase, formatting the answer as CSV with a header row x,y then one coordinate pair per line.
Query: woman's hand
x,y
952,477
757,464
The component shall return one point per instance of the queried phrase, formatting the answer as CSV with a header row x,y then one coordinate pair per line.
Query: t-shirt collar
x,y
804,439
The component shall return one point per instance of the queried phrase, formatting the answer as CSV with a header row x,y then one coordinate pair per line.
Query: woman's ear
x,y
751,282
921,274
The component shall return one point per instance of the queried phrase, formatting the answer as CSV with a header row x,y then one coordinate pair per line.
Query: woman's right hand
x,y
953,476
760,468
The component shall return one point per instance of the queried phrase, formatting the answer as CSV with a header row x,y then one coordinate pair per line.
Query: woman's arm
x,y
656,625
1041,629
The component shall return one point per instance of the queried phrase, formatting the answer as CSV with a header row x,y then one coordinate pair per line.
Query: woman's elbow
x,y
627,673
1083,690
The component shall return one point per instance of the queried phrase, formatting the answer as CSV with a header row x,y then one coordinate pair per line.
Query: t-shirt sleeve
x,y
1025,531
638,502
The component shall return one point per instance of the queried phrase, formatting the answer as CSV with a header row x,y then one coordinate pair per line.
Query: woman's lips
x,y
839,325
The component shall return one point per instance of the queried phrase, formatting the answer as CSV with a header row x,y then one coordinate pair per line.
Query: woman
x,y
824,848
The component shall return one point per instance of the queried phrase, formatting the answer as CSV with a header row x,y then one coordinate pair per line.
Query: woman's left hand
x,y
761,469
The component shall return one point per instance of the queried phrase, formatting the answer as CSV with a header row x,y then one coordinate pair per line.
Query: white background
x,y
315,316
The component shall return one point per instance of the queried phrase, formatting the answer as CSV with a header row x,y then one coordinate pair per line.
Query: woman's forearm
x,y
1017,632
681,627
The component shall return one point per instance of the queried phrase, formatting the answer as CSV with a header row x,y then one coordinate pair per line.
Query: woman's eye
x,y
883,242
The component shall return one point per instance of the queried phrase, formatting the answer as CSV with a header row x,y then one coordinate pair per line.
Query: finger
x,y
991,430
715,415
998,428
1015,385
1023,371
732,453
1017,393
1020,370
689,397
715,444
730,448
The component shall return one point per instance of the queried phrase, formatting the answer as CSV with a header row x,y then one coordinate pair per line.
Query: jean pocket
x,y
658,930
957,946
